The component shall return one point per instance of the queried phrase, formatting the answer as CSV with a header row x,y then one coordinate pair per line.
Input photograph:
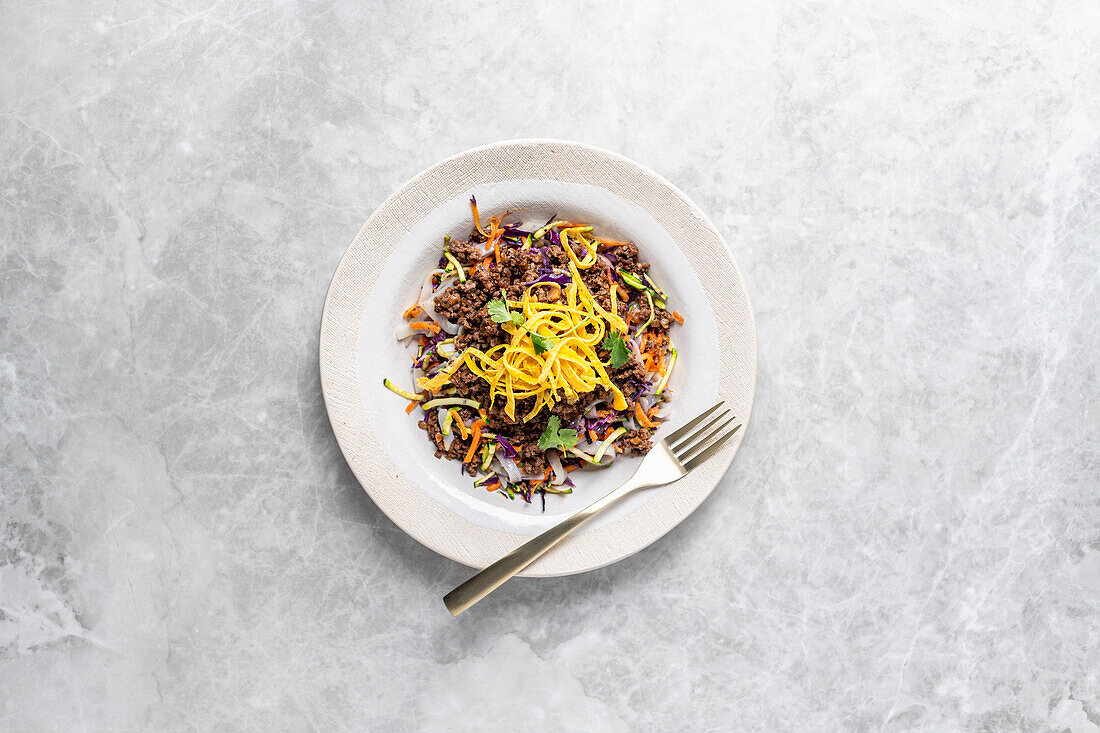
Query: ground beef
x,y
466,252
637,441
626,258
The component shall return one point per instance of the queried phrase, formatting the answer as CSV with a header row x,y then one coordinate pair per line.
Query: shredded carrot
x,y
496,232
477,219
642,417
679,318
487,260
412,406
652,411
612,243
424,326
476,429
662,367
413,311
641,344
603,413
592,435
570,469
461,426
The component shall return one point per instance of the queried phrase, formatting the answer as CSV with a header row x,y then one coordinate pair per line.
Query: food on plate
x,y
539,350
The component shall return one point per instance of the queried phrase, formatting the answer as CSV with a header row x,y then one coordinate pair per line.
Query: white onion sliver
x,y
510,467
644,402
559,469
448,439
403,331
427,300
514,471
426,288
429,309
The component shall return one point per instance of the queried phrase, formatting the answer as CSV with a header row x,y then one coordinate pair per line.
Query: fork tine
x,y
683,431
697,445
680,445
710,451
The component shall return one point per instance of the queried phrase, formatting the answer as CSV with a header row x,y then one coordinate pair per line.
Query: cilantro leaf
x,y
553,437
542,345
498,311
620,353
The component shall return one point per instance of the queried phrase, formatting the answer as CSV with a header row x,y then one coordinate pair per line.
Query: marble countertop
x,y
909,538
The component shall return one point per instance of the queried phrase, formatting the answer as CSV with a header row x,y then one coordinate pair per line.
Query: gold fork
x,y
671,459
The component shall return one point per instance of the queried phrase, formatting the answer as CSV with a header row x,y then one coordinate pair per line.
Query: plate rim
x,y
428,539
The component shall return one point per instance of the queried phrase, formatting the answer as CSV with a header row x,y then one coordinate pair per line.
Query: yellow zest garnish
x,y
573,329
589,247
617,324
441,378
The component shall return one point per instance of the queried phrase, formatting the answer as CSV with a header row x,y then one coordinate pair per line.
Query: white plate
x,y
381,273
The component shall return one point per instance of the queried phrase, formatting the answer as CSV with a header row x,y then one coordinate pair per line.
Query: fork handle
x,y
492,577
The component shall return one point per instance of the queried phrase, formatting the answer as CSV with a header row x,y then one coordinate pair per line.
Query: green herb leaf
x,y
620,352
553,437
498,311
542,345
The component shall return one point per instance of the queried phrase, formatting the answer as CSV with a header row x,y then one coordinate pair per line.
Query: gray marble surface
x,y
908,540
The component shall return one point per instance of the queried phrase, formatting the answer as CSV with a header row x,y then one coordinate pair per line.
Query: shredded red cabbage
x,y
506,447
551,278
